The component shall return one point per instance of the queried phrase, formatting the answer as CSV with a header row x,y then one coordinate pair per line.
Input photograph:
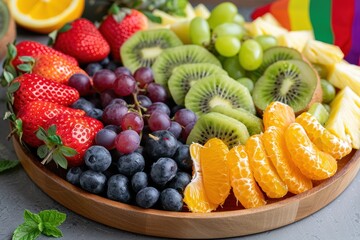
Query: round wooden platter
x,y
219,224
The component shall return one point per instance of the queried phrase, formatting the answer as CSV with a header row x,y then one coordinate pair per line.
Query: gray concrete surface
x,y
340,220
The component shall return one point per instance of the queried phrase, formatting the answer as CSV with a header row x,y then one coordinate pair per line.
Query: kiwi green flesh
x,y
142,49
173,57
212,125
4,19
292,82
216,90
253,124
186,75
273,55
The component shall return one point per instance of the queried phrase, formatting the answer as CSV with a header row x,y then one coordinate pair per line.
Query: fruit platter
x,y
180,121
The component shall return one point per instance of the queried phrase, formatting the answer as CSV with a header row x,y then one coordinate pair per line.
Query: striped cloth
x,y
332,21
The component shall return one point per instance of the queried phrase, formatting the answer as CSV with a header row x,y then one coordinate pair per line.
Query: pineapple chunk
x,y
344,117
260,27
202,11
190,11
268,17
295,39
166,19
182,30
344,74
322,53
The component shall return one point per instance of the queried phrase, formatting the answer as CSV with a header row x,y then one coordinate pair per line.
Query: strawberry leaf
x,y
68,151
24,67
42,151
7,164
65,28
152,17
41,134
13,87
51,130
27,59
60,159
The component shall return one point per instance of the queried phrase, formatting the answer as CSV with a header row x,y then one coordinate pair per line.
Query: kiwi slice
x,y
292,82
218,125
253,124
186,75
173,57
142,48
272,55
216,90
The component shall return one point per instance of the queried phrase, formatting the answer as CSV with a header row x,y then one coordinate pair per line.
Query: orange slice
x,y
323,138
278,114
311,161
275,146
45,16
242,180
263,170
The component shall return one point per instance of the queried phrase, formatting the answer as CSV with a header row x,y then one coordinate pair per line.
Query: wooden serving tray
x,y
220,224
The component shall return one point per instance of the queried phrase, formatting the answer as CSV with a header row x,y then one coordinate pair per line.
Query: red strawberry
x,y
119,25
34,87
82,40
33,49
54,68
36,114
74,133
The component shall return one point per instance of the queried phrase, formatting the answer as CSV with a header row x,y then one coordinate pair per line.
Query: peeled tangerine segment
x,y
242,180
323,138
275,146
278,114
264,171
311,161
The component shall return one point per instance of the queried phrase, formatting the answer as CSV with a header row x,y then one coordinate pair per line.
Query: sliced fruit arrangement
x,y
175,110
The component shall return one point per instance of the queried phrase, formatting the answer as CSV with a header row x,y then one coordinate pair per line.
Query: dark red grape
x,y
122,71
144,101
185,116
124,85
175,128
106,97
114,113
104,79
159,121
106,138
156,92
158,106
144,76
127,141
80,82
132,120
118,101
186,131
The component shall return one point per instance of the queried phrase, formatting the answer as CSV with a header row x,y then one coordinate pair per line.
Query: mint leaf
x,y
152,17
51,231
31,217
53,217
26,231
7,164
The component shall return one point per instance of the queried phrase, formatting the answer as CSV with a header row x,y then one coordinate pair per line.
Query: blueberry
x,y
92,181
171,200
105,61
147,197
114,128
95,113
73,175
182,157
92,68
83,104
97,158
139,181
129,164
180,181
161,144
118,188
163,170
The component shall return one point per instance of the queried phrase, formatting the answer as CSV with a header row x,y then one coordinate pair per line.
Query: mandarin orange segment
x,y
323,138
216,177
311,161
243,183
263,170
278,114
194,194
275,147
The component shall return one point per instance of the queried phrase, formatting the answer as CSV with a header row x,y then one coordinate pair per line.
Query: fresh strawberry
x,y
64,134
119,25
33,49
34,87
82,40
36,114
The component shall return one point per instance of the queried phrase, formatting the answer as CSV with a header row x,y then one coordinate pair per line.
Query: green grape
x,y
227,46
266,41
319,112
222,13
199,31
247,82
232,67
250,55
328,91
239,19
229,29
